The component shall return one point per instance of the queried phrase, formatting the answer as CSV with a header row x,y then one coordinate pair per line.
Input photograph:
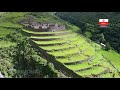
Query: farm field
x,y
75,53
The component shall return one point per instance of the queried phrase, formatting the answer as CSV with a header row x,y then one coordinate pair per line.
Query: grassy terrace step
x,y
97,63
107,65
65,52
47,37
58,47
64,46
84,46
90,51
43,39
80,61
103,62
113,57
58,32
78,42
95,70
68,40
72,58
87,68
110,75
106,75
82,65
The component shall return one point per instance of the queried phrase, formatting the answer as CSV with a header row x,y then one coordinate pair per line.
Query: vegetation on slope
x,y
78,53
17,58
88,22
84,58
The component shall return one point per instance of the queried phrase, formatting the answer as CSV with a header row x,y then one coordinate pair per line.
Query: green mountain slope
x,y
70,52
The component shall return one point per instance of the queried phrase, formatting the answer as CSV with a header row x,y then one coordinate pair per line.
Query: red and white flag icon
x,y
103,22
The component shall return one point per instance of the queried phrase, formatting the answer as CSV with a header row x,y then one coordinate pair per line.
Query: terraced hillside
x,y
70,52
73,53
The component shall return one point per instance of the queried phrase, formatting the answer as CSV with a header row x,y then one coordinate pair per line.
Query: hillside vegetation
x,y
88,22
18,59
67,53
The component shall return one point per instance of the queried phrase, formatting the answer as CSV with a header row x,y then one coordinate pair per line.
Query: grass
x,y
107,64
90,51
96,46
58,32
50,18
73,27
113,57
9,21
57,47
6,44
72,43
5,31
84,46
88,34
98,56
96,60
54,37
64,52
110,75
13,17
67,40
81,66
9,24
95,70
106,75
50,42
78,42
72,58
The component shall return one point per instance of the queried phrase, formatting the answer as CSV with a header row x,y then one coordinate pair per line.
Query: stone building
x,y
46,26
38,26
